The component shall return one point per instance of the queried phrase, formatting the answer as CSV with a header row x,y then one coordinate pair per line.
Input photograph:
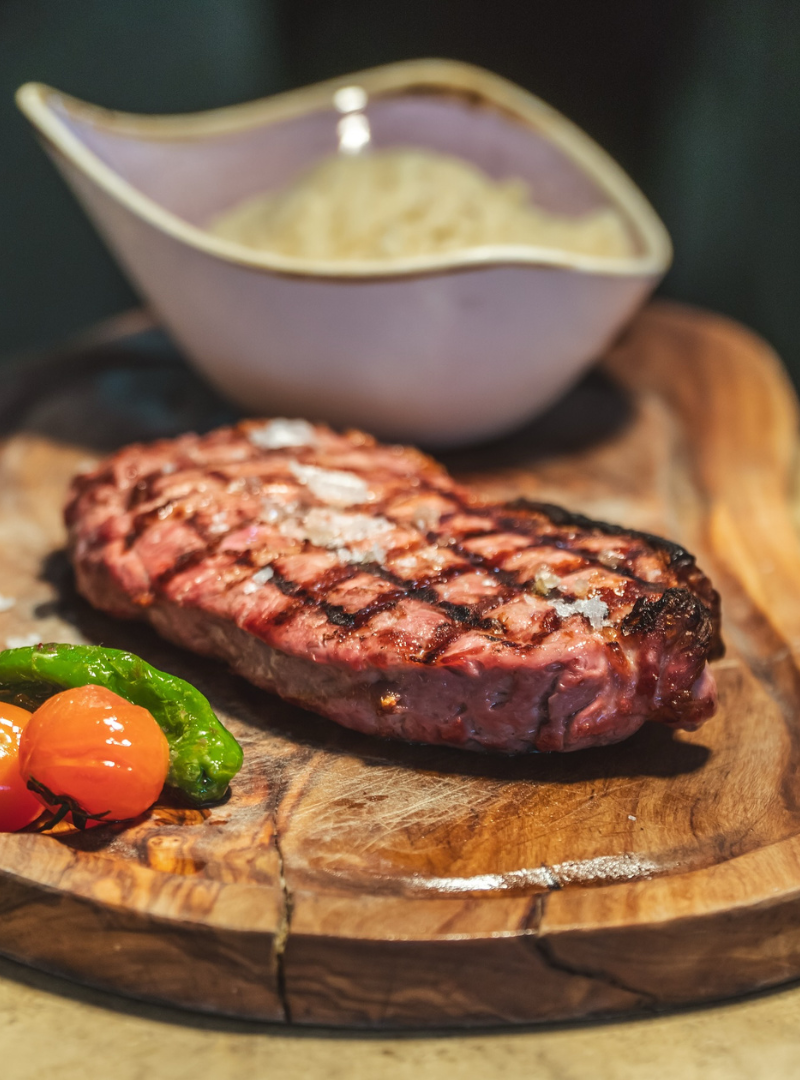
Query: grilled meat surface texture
x,y
361,581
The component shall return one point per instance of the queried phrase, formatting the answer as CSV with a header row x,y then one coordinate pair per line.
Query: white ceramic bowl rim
x,y
36,101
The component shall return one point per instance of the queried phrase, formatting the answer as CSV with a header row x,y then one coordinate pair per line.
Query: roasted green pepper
x,y
204,756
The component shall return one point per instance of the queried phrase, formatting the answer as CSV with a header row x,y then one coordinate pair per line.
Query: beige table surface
x,y
52,1030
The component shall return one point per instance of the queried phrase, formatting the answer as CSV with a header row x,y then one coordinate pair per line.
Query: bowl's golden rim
x,y
441,76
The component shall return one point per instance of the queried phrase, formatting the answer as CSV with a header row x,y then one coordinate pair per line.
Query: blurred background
x,y
698,99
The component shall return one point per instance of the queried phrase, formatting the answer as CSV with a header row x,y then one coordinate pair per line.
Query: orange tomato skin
x,y
18,806
99,749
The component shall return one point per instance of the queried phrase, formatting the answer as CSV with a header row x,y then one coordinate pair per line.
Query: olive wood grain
x,y
352,881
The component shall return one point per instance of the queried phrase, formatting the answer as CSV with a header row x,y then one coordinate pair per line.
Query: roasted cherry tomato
x,y
204,756
90,750
18,806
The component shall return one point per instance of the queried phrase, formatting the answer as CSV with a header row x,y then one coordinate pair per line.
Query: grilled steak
x,y
362,582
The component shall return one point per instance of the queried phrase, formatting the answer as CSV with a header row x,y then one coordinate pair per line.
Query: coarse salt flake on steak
x,y
361,581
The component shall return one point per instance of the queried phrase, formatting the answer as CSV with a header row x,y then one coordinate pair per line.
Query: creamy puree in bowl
x,y
389,204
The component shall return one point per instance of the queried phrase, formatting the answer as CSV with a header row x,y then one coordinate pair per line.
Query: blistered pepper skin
x,y
204,756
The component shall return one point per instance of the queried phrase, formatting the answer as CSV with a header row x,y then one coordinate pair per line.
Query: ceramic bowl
x,y
441,349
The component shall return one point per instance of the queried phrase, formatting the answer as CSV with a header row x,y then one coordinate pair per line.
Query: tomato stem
x,y
66,805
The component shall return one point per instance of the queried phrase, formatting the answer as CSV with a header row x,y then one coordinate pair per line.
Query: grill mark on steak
x,y
358,620
559,680
468,616
678,559
558,515
186,561
513,524
313,595
461,616
482,562
675,612
586,524
142,490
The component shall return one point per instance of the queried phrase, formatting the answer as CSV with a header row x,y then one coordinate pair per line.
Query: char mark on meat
x,y
363,582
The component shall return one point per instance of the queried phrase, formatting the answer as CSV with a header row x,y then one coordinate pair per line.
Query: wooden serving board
x,y
356,882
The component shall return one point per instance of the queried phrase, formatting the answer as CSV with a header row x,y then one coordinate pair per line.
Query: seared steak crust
x,y
361,581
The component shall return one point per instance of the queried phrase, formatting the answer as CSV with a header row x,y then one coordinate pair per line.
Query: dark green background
x,y
698,99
